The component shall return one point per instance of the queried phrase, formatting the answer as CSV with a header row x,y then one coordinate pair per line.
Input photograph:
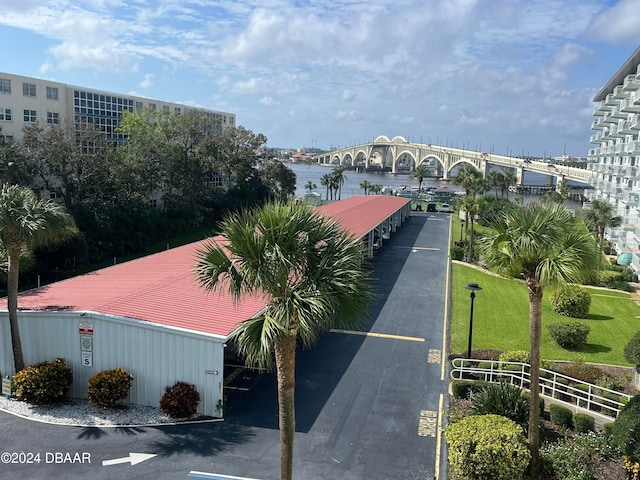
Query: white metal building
x,y
150,317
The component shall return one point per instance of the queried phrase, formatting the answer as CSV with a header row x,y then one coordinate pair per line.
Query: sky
x,y
508,76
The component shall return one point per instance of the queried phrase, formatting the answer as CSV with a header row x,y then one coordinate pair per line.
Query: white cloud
x,y
620,23
147,82
267,101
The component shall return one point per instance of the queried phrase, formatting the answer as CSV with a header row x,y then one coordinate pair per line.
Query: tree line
x,y
169,173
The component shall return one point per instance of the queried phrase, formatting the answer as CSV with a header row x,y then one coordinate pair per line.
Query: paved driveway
x,y
368,401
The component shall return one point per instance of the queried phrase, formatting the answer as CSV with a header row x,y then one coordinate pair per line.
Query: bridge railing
x,y
583,395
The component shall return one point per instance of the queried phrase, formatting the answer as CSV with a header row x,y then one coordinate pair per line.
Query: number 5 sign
x,y
87,359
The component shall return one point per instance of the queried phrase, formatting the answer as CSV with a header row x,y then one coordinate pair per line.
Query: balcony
x,y
617,113
631,83
619,93
597,138
611,101
633,147
598,123
635,97
628,106
601,109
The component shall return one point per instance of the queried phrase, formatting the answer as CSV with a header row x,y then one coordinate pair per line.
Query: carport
x,y
149,316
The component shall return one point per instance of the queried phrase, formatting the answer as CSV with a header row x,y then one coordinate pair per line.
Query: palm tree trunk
x,y
535,334
470,259
285,353
12,306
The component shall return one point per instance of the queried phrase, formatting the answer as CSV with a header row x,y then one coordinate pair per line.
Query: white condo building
x,y
615,162
25,100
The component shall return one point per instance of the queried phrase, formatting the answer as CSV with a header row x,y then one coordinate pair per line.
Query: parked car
x,y
445,208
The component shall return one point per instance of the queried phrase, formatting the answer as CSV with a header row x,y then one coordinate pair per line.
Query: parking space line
x,y
378,335
439,439
216,476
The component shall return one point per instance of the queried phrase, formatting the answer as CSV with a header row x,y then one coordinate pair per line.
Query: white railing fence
x,y
593,398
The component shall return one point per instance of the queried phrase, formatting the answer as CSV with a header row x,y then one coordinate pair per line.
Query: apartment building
x,y
26,100
615,161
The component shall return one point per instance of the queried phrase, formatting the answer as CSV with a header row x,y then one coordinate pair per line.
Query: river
x,y
351,187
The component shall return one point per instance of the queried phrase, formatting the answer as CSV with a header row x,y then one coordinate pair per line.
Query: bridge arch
x,y
382,139
398,139
405,160
474,164
347,160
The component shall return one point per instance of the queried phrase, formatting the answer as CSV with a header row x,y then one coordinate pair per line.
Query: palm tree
x,y
309,271
496,179
376,188
509,179
340,177
543,244
467,177
472,206
366,186
420,172
310,186
598,218
26,222
324,181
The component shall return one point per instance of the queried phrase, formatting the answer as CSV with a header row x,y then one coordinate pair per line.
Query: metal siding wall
x,y
154,355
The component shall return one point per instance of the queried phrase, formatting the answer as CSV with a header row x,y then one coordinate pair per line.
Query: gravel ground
x,y
82,413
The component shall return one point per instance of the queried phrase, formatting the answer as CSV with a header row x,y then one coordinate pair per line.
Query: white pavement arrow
x,y
133,458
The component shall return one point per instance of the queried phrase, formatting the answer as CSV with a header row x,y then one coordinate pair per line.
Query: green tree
x,y
509,179
543,244
496,179
366,186
598,218
310,186
338,179
325,181
279,179
472,206
376,188
467,177
27,222
311,273
419,173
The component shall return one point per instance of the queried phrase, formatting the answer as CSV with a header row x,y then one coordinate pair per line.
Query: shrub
x,y
487,446
43,382
457,253
180,400
582,371
569,335
575,459
625,432
487,354
502,399
632,350
109,386
561,416
583,423
516,356
458,409
571,301
465,388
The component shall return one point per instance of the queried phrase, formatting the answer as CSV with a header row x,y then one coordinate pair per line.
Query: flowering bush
x,y
109,386
180,401
43,382
487,446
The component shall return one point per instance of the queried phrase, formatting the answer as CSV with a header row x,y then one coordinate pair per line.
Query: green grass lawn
x,y
501,319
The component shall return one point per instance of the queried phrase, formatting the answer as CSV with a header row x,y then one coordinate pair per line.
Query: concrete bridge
x,y
397,155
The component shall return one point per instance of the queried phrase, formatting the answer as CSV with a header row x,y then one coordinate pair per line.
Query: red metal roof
x,y
161,288
363,213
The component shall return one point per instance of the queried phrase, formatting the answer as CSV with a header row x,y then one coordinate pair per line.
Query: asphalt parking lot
x,y
368,402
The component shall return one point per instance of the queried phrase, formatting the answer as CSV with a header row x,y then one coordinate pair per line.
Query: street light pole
x,y
474,287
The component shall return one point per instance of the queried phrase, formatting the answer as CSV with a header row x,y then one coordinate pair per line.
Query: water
x,y
351,187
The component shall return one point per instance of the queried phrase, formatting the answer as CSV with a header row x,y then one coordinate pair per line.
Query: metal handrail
x,y
552,384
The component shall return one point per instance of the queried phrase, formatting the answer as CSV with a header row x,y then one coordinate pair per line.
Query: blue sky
x,y
514,75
